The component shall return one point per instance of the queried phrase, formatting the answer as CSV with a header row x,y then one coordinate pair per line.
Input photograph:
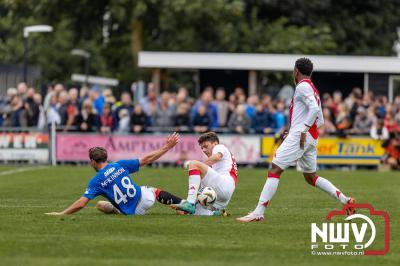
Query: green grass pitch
x,y
28,237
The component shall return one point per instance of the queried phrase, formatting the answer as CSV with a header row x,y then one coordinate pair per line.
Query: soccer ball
x,y
206,196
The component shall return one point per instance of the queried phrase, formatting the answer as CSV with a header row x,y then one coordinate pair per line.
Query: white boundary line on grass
x,y
23,206
21,170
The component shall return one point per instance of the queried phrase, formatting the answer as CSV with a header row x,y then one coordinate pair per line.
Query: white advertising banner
x,y
24,147
245,149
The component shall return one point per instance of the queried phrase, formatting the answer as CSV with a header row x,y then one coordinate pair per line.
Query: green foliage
x,y
253,26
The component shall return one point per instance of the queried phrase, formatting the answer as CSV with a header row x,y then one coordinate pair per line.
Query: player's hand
x,y
284,134
54,213
172,140
186,164
302,140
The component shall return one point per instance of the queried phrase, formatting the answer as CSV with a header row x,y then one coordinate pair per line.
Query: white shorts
x,y
289,153
146,201
224,186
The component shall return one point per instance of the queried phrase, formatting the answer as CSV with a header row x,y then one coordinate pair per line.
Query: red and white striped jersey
x,y
305,108
227,165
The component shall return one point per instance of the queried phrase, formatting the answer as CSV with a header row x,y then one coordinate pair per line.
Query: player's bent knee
x,y
197,166
308,177
193,164
99,204
105,206
276,169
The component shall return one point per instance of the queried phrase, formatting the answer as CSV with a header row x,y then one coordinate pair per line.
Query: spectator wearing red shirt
x,y
106,119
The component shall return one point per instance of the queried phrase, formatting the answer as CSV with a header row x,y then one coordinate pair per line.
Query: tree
x,y
114,31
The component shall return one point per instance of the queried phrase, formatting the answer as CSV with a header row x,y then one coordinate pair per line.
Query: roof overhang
x,y
269,62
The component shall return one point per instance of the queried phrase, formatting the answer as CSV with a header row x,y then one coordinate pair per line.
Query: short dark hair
x,y
98,154
304,66
209,136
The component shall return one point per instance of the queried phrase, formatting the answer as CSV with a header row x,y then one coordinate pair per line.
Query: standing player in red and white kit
x,y
300,144
218,171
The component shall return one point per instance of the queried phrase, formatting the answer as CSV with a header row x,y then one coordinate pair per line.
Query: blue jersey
x,y
114,183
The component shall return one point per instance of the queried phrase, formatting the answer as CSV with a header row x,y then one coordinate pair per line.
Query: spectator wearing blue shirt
x,y
263,122
211,109
113,181
201,120
279,116
97,99
252,101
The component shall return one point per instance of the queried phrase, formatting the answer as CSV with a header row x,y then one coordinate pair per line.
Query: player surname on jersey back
x,y
112,177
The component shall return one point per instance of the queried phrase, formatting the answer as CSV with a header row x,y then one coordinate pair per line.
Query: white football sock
x,y
194,184
267,193
329,188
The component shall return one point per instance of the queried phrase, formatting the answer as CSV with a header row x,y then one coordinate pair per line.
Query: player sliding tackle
x,y
113,182
300,143
218,171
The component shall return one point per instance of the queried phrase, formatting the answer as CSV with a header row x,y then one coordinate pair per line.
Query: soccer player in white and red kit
x,y
300,144
218,171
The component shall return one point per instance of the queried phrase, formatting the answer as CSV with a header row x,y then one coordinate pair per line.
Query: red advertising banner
x,y
74,147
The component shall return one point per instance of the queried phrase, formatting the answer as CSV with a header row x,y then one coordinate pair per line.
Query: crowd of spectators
x,y
94,110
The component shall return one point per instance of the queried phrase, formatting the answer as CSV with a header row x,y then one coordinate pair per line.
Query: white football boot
x,y
251,217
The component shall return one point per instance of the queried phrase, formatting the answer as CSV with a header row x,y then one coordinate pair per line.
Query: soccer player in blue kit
x,y
113,182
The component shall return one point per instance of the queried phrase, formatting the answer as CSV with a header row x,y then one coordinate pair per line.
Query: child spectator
x,y
123,122
125,103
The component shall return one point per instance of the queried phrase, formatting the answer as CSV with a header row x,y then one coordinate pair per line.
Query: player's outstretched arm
x,y
76,206
171,141
213,159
